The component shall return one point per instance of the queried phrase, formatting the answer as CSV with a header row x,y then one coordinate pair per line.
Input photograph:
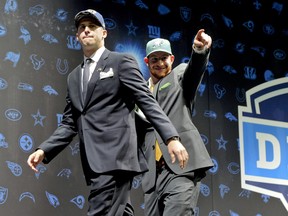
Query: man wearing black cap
x,y
169,190
101,95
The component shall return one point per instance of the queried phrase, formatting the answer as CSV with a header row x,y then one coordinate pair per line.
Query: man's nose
x,y
86,29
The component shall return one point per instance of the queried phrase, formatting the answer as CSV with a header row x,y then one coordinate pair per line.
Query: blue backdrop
x,y
39,49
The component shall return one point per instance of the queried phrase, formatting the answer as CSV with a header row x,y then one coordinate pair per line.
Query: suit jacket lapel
x,y
80,92
162,84
75,87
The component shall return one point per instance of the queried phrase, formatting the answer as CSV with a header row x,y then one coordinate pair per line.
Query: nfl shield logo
x,y
263,139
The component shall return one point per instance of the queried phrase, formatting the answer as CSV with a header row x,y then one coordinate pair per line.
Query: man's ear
x,y
105,33
172,58
146,60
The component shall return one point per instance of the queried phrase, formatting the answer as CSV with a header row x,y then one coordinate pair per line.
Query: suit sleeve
x,y
131,77
62,136
194,74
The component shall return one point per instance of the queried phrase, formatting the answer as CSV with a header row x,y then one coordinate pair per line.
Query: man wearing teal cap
x,y
169,190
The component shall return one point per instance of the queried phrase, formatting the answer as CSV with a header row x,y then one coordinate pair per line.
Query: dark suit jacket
x,y
176,94
104,121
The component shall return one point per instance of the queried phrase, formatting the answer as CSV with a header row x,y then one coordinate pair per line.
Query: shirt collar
x,y
96,56
150,83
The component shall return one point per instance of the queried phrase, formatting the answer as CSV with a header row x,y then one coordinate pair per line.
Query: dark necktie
x,y
86,73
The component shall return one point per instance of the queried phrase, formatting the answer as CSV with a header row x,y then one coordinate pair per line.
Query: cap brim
x,y
158,50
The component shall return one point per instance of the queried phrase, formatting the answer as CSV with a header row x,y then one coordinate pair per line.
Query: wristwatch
x,y
173,138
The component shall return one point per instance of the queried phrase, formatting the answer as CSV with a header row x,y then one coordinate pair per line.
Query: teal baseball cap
x,y
158,44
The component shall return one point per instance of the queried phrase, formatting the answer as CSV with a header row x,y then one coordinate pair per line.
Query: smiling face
x,y
91,36
159,64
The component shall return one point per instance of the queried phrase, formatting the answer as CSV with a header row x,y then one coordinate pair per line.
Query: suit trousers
x,y
173,195
110,195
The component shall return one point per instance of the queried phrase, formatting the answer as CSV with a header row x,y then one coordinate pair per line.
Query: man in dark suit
x,y
102,114
168,189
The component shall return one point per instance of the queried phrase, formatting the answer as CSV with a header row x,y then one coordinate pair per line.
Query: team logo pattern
x,y
39,49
